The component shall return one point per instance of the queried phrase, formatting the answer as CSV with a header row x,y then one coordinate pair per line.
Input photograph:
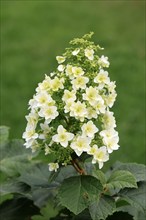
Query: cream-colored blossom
x,y
30,134
108,120
99,106
60,59
69,72
110,99
32,119
75,52
81,144
111,143
111,86
78,110
57,84
68,105
91,95
103,61
80,82
77,71
69,95
89,53
100,155
53,166
42,98
61,68
46,130
45,85
89,129
48,112
91,113
62,137
102,78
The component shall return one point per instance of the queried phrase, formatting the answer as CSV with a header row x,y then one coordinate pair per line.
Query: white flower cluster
x,y
70,111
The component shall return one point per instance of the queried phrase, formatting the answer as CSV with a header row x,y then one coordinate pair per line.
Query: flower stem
x,y
77,167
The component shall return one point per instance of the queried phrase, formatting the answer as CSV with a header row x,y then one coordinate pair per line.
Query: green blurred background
x,y
34,32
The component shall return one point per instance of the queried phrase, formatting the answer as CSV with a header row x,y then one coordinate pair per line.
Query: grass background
x,y
34,32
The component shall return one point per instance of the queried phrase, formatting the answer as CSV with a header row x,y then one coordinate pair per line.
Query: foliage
x,y
35,192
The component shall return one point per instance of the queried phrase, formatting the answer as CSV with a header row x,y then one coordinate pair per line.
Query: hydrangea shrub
x,y
70,113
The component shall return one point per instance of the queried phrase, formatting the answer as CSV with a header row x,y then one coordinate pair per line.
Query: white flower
x,y
99,106
109,133
63,137
81,144
80,82
75,52
32,119
69,72
61,68
89,129
57,84
69,95
103,61
108,120
45,85
102,78
110,99
91,113
100,155
60,59
30,134
91,95
111,87
67,107
42,98
53,166
110,139
77,71
111,143
46,130
78,110
89,53
32,104
48,112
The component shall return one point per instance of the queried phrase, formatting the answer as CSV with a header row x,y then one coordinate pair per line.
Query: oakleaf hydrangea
x,y
70,113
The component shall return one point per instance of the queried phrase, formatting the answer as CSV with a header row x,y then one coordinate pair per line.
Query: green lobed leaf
x,y
102,208
14,187
14,158
135,197
17,209
137,215
77,192
47,212
120,179
138,170
100,176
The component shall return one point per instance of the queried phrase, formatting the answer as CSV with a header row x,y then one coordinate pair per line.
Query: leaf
x,y
135,197
137,215
100,176
14,187
4,134
138,170
36,176
121,179
102,208
76,192
14,158
38,179
18,208
47,212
